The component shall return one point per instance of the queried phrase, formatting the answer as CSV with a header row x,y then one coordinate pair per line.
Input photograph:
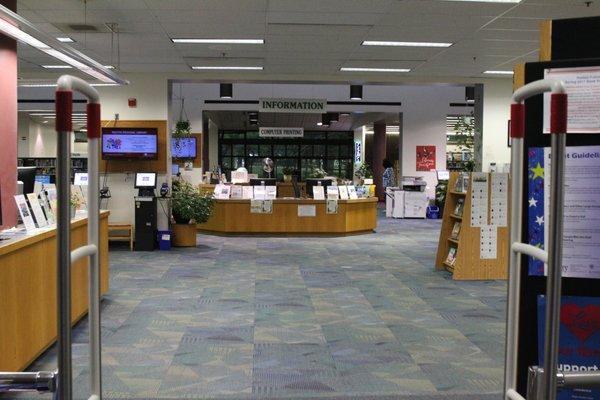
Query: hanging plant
x,y
183,128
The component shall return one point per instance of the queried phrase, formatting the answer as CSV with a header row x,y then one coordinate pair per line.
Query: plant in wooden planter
x,y
287,174
189,207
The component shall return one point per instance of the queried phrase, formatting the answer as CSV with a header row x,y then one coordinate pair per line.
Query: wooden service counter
x,y
234,217
28,291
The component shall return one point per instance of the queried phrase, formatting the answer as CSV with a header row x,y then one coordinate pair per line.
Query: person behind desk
x,y
389,179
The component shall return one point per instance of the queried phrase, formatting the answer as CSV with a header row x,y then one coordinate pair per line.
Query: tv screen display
x,y
183,147
127,143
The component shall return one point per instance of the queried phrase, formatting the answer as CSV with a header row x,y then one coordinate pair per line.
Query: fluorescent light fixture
x,y
57,66
208,67
218,41
319,123
15,26
109,66
489,1
498,72
33,85
65,40
405,44
361,69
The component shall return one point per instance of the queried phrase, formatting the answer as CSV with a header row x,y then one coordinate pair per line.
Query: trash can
x,y
433,212
164,240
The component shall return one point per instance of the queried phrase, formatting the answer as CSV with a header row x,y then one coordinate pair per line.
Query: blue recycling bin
x,y
164,240
433,212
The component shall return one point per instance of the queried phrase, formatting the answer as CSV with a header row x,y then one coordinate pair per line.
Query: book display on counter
x,y
473,241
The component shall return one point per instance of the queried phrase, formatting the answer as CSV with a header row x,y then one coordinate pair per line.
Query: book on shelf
x,y
455,230
460,204
451,258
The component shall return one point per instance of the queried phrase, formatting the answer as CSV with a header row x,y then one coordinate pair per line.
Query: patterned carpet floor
x,y
360,317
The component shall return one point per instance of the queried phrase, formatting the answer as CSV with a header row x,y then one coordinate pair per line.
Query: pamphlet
x,y
458,210
236,192
25,213
333,193
46,207
247,192
52,198
260,193
455,230
40,218
271,192
332,206
352,192
343,192
361,192
451,258
307,210
318,192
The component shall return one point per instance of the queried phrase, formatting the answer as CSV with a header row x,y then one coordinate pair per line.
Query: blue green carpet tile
x,y
359,317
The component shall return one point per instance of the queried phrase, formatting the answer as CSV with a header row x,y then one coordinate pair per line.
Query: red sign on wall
x,y
425,158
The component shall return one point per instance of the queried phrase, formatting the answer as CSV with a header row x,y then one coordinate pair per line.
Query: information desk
x,y
28,291
235,217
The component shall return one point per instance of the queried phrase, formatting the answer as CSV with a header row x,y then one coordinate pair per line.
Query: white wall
x,y
496,113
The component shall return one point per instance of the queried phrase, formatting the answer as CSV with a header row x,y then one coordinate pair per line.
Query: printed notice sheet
x,y
479,199
499,199
488,242
581,236
583,88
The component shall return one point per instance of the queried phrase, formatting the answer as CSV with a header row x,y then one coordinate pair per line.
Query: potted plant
x,y
287,174
183,128
363,170
318,173
189,207
75,202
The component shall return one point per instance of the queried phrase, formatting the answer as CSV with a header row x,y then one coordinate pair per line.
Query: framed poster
x,y
425,158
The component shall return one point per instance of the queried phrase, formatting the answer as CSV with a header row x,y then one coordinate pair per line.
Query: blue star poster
x,y
579,342
536,205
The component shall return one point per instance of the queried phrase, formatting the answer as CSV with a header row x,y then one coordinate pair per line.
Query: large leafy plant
x,y
363,170
189,205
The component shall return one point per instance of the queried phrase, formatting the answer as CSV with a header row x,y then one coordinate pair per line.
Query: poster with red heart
x,y
425,158
579,343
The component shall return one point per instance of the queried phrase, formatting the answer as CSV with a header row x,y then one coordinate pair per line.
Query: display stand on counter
x,y
473,242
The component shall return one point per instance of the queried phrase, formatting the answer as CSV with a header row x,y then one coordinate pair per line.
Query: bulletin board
x,y
581,293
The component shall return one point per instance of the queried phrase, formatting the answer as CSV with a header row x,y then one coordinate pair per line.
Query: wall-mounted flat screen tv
x,y
129,143
183,147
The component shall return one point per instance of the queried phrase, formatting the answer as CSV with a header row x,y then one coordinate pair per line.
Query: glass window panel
x,y
225,150
237,162
319,150
233,135
306,150
333,151
292,150
226,163
252,150
338,135
279,150
265,150
314,135
252,135
238,150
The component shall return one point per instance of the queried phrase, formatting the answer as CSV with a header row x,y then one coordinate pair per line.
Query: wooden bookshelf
x,y
467,264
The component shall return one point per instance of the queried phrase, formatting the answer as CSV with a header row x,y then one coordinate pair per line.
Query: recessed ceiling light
x,y
360,69
405,44
208,67
499,72
65,39
218,41
57,66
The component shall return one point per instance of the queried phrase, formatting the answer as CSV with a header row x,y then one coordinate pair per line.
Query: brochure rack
x,y
463,245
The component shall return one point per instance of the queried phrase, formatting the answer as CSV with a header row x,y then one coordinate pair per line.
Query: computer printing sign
x,y
579,343
304,106
280,132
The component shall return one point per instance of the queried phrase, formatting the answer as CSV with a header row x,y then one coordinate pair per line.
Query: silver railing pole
x,y
64,109
43,381
558,131
66,85
514,279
